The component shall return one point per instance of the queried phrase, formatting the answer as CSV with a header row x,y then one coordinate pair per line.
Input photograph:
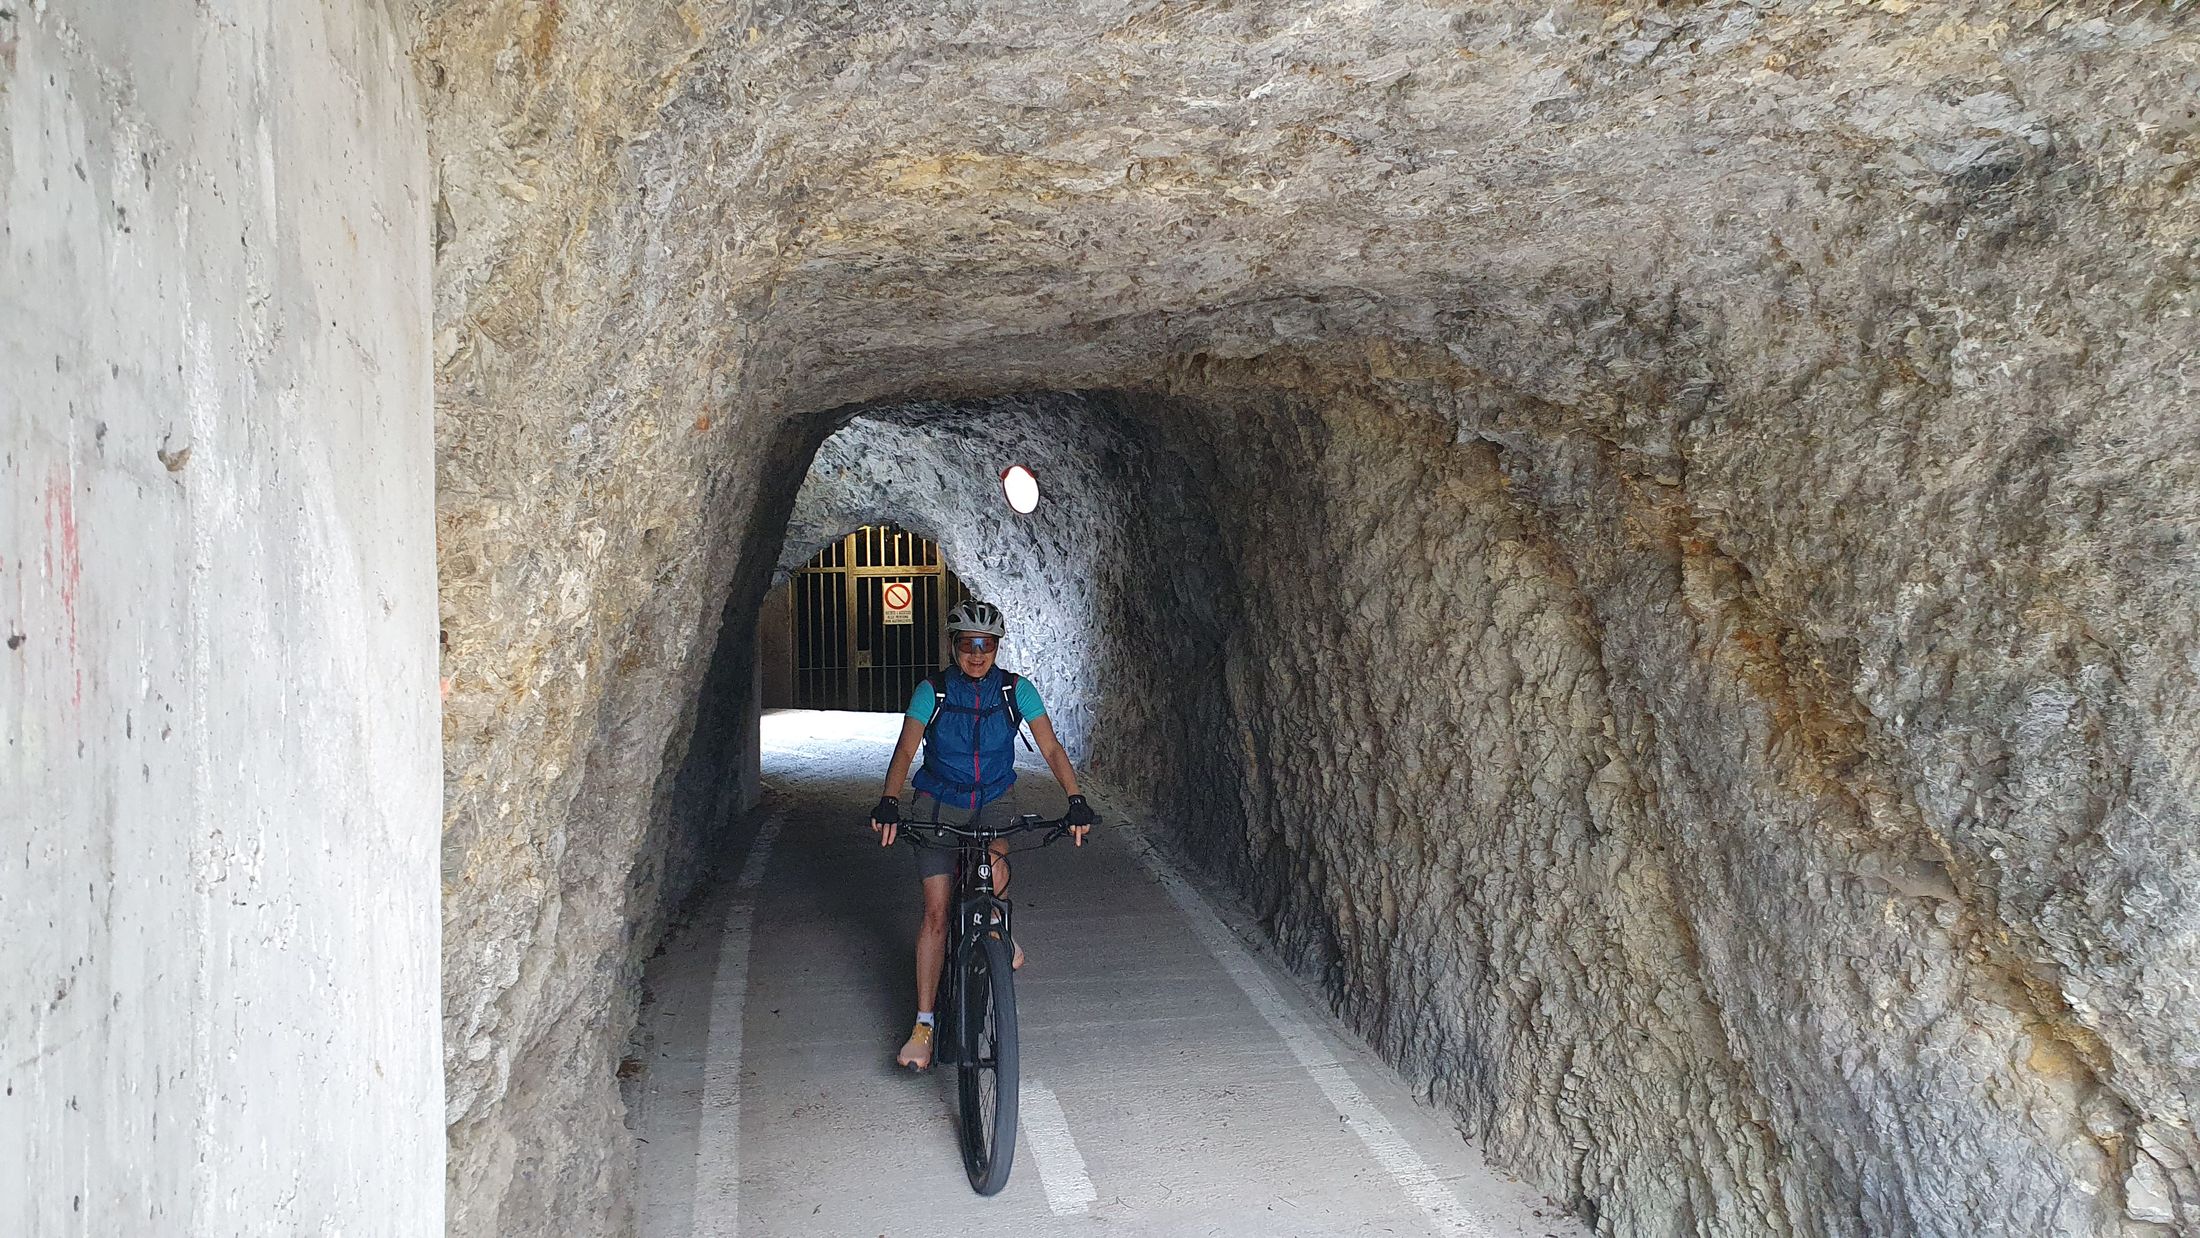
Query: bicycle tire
x,y
986,1067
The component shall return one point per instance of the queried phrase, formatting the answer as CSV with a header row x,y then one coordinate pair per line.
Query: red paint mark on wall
x,y
68,574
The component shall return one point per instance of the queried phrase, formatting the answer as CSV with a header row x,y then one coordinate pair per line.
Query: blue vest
x,y
970,748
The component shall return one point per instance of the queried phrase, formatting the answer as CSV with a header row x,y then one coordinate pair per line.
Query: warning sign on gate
x,y
896,598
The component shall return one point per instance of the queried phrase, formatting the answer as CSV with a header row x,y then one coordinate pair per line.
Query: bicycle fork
x,y
976,916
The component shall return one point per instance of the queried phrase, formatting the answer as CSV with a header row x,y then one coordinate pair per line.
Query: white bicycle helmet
x,y
976,616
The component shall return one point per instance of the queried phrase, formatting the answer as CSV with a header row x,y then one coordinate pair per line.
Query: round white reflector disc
x,y
1021,488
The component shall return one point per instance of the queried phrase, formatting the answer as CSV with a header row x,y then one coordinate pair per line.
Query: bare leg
x,y
932,940
931,950
1000,886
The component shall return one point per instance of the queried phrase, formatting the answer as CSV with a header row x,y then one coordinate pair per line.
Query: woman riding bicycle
x,y
967,718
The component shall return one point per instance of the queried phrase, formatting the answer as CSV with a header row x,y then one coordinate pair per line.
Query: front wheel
x,y
985,1064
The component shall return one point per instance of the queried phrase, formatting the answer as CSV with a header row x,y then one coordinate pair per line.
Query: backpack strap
x,y
1009,682
938,680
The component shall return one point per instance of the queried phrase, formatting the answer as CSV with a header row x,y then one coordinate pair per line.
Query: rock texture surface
x,y
1693,510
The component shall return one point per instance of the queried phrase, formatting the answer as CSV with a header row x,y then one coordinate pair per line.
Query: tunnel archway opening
x,y
1085,580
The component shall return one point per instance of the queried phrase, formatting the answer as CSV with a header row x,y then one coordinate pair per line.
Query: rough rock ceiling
x,y
1836,355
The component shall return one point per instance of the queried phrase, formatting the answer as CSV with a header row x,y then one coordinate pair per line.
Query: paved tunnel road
x,y
1174,1084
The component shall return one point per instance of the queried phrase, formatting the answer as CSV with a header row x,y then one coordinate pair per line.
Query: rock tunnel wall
x,y
1799,400
1595,827
220,782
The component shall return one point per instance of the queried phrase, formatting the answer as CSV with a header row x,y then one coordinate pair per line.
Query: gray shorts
x,y
940,861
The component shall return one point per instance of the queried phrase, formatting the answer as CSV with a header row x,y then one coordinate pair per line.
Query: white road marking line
x,y
717,1210
1061,1167
1389,1148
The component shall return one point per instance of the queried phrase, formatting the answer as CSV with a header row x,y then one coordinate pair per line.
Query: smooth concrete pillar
x,y
220,778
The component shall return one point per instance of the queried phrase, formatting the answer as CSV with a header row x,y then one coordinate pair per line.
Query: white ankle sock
x,y
924,1017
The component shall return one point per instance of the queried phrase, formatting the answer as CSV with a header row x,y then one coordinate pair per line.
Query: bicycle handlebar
x,y
1028,823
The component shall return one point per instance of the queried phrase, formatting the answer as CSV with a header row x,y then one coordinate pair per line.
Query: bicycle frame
x,y
977,910
978,907
976,999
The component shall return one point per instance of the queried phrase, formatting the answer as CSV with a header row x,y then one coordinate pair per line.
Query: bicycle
x,y
977,995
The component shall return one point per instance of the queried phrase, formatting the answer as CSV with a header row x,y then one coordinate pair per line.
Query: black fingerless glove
x,y
1080,813
888,811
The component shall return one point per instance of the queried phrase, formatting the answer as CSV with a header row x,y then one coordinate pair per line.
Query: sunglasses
x,y
977,644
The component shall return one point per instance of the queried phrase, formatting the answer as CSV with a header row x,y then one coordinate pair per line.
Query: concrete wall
x,y
219,783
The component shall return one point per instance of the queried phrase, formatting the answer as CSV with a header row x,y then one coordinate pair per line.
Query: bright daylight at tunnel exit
x,y
1194,617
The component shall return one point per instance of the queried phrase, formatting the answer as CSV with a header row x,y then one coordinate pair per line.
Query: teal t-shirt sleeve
x,y
1027,700
923,702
